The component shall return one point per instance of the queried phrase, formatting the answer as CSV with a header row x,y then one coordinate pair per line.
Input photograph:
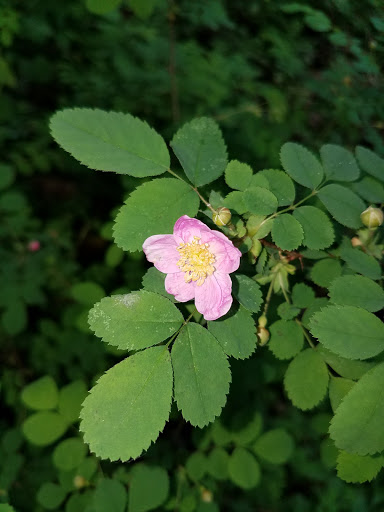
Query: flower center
x,y
196,261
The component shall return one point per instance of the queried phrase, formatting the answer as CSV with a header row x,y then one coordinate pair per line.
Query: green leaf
x,y
370,162
287,311
153,208
247,292
235,201
44,428
238,175
357,426
260,201
338,388
356,469
339,163
370,189
302,295
7,176
202,375
113,256
349,331
360,262
287,339
102,6
109,495
4,507
287,232
258,180
345,367
275,446
134,321
325,271
218,461
87,293
280,184
357,291
50,495
14,319
129,405
301,165
148,489
317,305
201,150
248,431
328,453
69,454
41,394
110,141
70,399
318,229
236,333
196,465
143,8
306,379
153,281
344,205
243,468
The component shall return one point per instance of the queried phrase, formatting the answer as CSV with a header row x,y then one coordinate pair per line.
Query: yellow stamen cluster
x,y
196,261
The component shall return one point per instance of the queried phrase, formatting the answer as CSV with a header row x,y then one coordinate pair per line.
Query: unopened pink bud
x,y
33,246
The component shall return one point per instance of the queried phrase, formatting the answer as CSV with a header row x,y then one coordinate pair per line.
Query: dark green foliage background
x,y
268,72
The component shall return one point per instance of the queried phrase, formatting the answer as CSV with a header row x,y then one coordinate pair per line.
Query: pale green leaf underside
x,y
356,469
129,405
287,339
236,334
317,228
343,204
151,209
301,165
202,375
134,321
339,163
357,426
110,141
201,150
287,232
349,331
306,379
357,291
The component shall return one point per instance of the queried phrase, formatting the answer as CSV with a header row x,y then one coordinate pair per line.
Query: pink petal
x,y
161,250
213,298
226,254
186,228
175,284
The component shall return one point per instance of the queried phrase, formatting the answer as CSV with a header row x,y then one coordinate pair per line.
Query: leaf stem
x,y
306,335
269,295
178,330
195,189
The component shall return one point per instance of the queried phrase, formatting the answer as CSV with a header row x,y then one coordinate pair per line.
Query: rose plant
x,y
306,287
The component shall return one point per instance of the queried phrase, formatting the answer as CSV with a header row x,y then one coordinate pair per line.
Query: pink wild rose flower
x,y
197,261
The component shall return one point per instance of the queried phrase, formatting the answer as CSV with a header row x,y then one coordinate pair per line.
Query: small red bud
x,y
33,246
